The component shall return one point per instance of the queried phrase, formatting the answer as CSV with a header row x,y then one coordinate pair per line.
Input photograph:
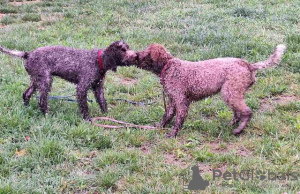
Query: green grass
x,y
6,20
8,9
67,155
31,17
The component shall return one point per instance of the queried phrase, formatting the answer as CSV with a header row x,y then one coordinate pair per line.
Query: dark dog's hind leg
x,y
44,86
82,92
99,95
29,92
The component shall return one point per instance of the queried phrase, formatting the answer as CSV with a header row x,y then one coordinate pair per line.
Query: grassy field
x,y
61,153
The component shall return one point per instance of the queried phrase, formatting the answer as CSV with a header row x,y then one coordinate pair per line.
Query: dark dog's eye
x,y
123,49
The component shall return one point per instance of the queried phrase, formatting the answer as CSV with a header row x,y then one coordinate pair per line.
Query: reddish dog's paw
x,y
157,125
233,122
237,131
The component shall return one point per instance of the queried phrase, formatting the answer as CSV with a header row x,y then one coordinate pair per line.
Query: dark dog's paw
x,y
89,120
45,112
171,134
104,108
104,111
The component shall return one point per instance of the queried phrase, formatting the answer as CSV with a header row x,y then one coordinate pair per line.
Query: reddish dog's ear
x,y
158,53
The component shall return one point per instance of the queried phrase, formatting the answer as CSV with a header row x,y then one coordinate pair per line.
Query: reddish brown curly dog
x,y
186,81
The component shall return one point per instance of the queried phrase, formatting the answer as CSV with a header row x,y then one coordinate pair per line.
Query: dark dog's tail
x,y
274,59
20,54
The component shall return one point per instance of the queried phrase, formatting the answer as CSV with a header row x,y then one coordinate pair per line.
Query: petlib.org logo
x,y
193,181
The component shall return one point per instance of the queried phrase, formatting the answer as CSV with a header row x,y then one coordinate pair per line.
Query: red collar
x,y
101,64
163,71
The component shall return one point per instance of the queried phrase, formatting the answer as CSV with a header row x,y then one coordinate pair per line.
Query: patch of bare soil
x,y
240,149
269,104
170,158
128,81
145,148
24,2
87,160
52,17
121,185
208,168
1,16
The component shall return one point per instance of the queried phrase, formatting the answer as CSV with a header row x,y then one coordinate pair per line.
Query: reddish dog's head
x,y
153,58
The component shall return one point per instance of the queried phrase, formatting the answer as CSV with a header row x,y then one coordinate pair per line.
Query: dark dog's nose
x,y
131,54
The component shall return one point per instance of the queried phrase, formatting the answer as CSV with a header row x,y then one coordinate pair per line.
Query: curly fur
x,y
77,66
186,81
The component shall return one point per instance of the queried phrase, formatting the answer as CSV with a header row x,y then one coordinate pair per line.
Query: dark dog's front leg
x,y
169,114
99,95
182,108
82,91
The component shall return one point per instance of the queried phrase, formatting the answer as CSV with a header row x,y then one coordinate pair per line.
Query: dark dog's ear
x,y
122,43
111,64
122,40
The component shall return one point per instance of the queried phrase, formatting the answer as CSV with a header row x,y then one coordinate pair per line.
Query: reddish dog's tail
x,y
274,59
14,53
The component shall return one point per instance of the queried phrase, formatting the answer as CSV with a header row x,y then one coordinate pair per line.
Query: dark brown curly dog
x,y
186,81
85,68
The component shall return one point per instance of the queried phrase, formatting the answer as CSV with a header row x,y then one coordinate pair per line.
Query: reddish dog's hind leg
x,y
182,108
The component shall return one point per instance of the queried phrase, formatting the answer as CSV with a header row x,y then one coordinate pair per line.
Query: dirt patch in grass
x,y
218,148
170,158
88,159
7,19
128,81
145,148
121,184
1,16
269,104
204,167
208,168
242,151
23,2
52,17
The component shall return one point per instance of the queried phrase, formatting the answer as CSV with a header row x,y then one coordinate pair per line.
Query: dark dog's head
x,y
153,58
118,54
